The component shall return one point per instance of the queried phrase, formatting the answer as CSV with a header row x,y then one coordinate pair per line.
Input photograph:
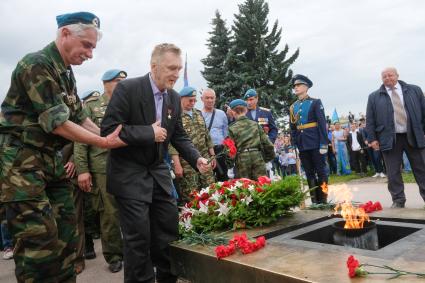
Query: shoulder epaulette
x,y
265,109
92,98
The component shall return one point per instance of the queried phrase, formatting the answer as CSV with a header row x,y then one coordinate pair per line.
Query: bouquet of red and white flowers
x,y
240,203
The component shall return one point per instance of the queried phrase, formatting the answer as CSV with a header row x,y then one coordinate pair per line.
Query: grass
x,y
408,178
335,179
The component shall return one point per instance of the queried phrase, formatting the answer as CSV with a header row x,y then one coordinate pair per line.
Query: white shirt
x,y
398,128
355,146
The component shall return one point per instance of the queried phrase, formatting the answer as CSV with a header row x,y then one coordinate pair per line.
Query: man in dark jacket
x,y
395,123
149,111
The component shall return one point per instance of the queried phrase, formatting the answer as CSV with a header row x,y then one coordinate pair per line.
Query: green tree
x,y
215,70
264,67
251,59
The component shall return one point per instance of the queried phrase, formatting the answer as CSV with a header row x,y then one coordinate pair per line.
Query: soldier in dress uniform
x,y
39,115
90,162
261,115
309,134
195,127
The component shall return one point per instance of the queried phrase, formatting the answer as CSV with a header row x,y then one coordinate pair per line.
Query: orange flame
x,y
354,216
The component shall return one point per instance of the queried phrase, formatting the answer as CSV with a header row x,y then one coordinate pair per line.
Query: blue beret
x,y
113,74
250,93
76,18
237,102
300,79
187,91
87,94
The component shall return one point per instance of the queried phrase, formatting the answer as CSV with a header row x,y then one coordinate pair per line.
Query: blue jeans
x,y
406,163
5,235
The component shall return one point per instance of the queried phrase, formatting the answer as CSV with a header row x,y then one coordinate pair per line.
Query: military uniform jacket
x,y
246,134
265,119
90,158
197,131
132,169
42,96
302,113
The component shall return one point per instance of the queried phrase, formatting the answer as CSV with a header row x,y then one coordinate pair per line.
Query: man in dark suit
x,y
149,110
395,122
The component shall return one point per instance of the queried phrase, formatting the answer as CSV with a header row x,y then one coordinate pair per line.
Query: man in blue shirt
x,y
217,124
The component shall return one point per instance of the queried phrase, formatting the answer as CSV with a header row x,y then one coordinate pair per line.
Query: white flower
x,y
204,190
203,207
238,184
187,223
247,200
232,188
223,209
187,210
251,188
219,184
216,196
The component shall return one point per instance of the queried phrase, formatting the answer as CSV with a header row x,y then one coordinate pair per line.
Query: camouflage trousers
x,y
250,165
191,181
78,196
110,232
40,214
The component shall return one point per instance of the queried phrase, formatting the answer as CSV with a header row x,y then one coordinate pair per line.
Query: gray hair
x,y
390,69
79,29
209,90
163,48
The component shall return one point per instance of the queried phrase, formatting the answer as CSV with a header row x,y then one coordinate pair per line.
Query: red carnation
x,y
263,180
260,190
230,147
352,264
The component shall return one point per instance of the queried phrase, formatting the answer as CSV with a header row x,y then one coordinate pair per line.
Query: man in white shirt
x,y
356,146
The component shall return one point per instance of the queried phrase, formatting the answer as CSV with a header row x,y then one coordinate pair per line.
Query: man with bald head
x,y
395,122
217,124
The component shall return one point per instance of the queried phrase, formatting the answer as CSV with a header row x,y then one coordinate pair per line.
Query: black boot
x,y
89,252
313,193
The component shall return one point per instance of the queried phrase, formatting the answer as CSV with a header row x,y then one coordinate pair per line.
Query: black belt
x,y
249,150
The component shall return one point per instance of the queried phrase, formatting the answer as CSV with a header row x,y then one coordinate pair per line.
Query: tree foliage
x,y
248,56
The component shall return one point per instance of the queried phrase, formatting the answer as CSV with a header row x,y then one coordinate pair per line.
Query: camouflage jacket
x,y
90,158
246,134
42,96
198,133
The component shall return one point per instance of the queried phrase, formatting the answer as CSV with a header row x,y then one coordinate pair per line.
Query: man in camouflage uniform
x,y
91,167
40,113
196,129
250,140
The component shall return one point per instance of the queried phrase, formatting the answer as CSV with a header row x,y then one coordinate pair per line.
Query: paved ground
x,y
363,190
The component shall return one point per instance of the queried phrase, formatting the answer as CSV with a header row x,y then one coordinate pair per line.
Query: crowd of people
x,y
126,158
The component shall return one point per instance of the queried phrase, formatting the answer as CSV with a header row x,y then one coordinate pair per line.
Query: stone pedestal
x,y
288,257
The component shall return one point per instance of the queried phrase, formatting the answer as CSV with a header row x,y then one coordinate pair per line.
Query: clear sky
x,y
343,44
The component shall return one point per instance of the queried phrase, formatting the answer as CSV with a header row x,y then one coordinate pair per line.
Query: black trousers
x,y
147,229
394,158
220,171
314,165
359,161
